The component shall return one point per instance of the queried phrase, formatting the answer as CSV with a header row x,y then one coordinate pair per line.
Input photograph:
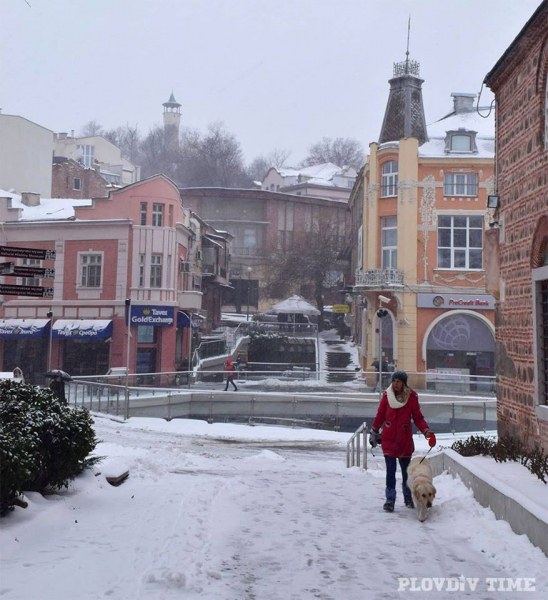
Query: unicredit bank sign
x,y
467,301
159,316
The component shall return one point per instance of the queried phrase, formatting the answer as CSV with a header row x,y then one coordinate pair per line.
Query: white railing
x,y
356,448
336,411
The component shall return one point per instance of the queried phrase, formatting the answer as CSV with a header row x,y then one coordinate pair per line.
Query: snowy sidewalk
x,y
227,512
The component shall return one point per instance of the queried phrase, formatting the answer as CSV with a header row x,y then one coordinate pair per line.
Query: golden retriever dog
x,y
419,481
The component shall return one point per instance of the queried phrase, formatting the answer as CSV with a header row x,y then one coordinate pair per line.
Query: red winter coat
x,y
397,434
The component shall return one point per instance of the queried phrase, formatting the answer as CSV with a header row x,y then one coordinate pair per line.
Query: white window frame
x,y
460,184
31,262
89,263
457,251
88,154
157,214
389,179
77,183
389,249
143,213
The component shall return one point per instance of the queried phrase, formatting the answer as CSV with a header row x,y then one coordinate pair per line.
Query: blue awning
x,y
183,320
23,327
91,329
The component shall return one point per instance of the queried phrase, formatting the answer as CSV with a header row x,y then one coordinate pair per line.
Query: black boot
x,y
409,503
388,506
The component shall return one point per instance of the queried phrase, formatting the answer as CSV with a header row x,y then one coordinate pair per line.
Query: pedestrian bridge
x,y
327,410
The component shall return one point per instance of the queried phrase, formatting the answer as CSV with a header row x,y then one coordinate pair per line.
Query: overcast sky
x,y
278,73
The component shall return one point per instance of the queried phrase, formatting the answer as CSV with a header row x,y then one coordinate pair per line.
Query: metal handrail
x,y
353,448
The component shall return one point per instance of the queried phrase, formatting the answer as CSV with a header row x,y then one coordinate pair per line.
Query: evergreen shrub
x,y
43,442
505,448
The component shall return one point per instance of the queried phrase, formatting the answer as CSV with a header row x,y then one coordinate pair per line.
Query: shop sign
x,y
454,301
158,316
341,308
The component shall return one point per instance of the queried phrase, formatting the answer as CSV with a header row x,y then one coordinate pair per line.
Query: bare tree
x,y
340,151
258,168
126,138
154,156
92,128
212,159
308,266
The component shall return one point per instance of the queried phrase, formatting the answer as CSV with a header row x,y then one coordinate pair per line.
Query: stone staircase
x,y
339,365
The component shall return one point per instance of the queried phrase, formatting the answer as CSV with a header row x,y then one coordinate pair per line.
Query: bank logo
x,y
438,301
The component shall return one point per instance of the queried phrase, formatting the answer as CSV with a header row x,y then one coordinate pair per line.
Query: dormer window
x,y
461,141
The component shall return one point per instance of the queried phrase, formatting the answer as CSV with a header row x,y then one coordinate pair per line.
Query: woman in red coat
x,y
230,368
399,404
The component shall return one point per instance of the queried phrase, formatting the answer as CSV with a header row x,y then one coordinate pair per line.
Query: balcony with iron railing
x,y
378,278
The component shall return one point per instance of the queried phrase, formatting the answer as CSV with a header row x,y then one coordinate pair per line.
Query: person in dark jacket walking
x,y
398,406
230,368
57,386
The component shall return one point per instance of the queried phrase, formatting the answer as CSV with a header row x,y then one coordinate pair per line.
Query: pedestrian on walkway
x,y
399,404
230,368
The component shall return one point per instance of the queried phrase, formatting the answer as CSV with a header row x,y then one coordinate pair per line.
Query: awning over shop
x,y
92,329
23,327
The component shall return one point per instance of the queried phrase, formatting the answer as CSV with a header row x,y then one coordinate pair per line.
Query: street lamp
x,y
49,315
249,269
128,335
381,314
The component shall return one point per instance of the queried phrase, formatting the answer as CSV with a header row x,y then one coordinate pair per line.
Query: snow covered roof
x,y
48,208
482,124
321,174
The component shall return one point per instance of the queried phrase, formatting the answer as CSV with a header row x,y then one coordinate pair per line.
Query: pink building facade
x,y
135,252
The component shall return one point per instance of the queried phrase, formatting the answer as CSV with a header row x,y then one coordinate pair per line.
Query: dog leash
x,y
425,455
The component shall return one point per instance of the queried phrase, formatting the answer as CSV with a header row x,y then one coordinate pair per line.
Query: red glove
x,y
431,437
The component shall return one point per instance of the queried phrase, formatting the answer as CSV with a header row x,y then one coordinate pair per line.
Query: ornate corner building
x,y
419,219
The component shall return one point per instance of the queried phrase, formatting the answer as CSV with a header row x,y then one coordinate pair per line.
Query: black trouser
x,y
391,477
230,379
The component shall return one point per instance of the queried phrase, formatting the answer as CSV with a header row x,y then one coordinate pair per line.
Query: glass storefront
x,y
465,346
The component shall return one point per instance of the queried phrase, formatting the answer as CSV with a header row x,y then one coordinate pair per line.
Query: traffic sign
x,y
38,253
36,291
25,271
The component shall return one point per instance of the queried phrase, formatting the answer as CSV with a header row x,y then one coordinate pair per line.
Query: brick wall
x,y
519,83
92,185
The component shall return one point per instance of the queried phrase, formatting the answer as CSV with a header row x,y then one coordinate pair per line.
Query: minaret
x,y
172,120
404,116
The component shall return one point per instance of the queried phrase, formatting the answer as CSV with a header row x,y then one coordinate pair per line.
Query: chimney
x,y
30,198
463,103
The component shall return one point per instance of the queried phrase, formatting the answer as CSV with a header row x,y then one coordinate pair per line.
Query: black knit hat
x,y
401,375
